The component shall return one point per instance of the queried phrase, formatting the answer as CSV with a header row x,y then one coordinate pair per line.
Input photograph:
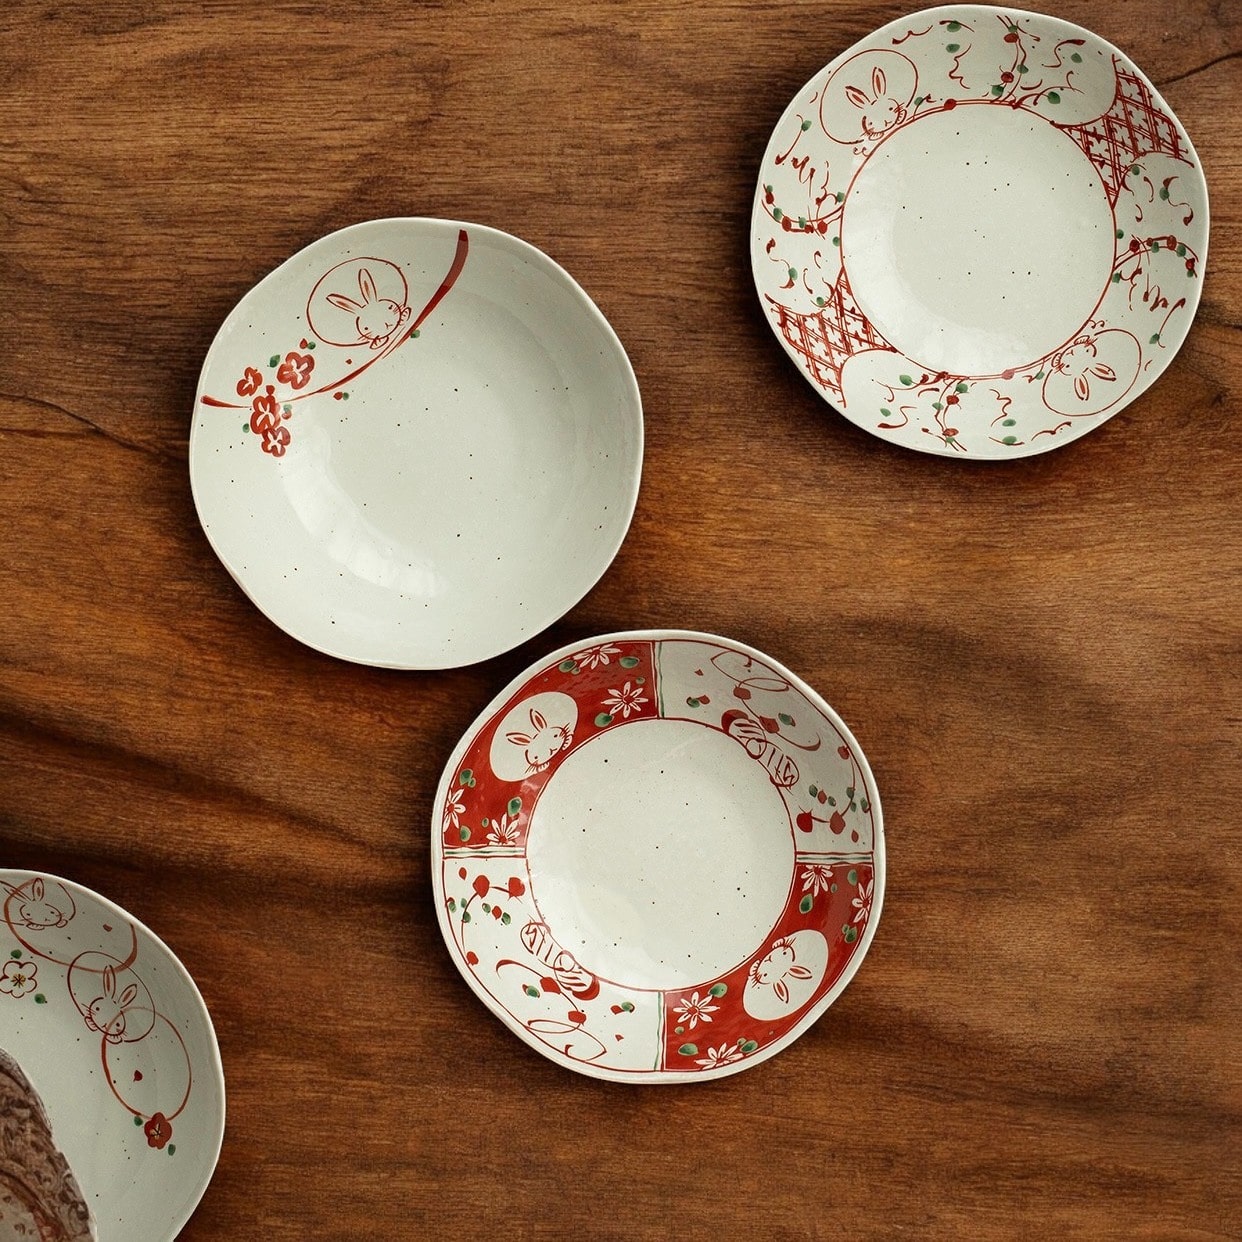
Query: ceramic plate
x,y
109,1067
980,232
416,443
658,857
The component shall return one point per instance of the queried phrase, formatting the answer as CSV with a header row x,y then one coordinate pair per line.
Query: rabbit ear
x,y
519,739
878,81
367,285
8,888
110,981
345,304
127,997
37,889
856,97
536,718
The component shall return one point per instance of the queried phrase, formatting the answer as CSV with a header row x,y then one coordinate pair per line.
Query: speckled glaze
x,y
658,856
114,1038
416,443
980,232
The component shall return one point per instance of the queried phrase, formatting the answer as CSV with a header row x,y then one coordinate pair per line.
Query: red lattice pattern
x,y
826,338
1134,126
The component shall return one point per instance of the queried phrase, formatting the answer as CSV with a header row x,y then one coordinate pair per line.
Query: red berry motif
x,y
837,822
481,885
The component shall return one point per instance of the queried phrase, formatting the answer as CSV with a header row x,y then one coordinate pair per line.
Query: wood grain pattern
x,y
1041,659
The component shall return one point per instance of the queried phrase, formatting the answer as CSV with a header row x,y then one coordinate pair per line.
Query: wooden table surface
x,y
1040,658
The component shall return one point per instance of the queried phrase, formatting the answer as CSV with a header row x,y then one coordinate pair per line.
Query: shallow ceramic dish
x,y
416,443
980,232
114,1038
658,856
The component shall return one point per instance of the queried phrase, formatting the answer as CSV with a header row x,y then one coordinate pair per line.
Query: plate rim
x,y
592,311
820,76
656,1077
215,1064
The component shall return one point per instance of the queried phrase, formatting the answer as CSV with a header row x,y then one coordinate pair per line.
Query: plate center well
x,y
977,239
660,854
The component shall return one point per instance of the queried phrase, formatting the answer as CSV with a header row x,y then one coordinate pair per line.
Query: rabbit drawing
x,y
36,910
377,317
543,743
880,109
106,1013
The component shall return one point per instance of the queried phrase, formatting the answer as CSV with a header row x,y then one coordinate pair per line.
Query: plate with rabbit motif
x,y
980,232
113,1095
658,856
416,443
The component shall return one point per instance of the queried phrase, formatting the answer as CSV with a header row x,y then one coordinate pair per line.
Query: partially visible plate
x,y
658,856
980,232
416,443
115,1048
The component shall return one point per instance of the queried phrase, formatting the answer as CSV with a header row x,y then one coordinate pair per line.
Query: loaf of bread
x,y
39,1197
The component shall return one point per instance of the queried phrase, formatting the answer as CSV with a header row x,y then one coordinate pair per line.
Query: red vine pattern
x,y
1010,61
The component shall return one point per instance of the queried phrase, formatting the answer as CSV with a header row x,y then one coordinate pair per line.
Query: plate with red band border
x,y
416,443
113,1093
980,232
658,856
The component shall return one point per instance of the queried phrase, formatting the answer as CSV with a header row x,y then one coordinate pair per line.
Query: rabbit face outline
x,y
881,110
376,318
36,911
106,1013
543,743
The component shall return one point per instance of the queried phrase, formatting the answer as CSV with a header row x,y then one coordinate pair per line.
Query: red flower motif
x,y
296,370
158,1131
264,412
276,440
249,383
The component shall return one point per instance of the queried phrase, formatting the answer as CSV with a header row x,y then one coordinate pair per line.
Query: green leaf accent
x,y
273,360
785,718
1010,422
962,387
866,806
1121,232
603,720
833,889
1134,168
137,1121
1039,375
487,907
693,702
748,1045
952,47
40,999
629,661
679,1030
953,27
1181,249
918,100
887,413
836,241
840,196
936,405
345,395
466,776
171,1149
907,380
531,990
1009,439
1076,58
465,916
15,953
688,1050
718,989
851,934
852,875
812,790
805,126
820,302
1155,339
506,919
515,805
805,904
486,822
998,91
777,213
464,833
452,904
1116,281
628,1006
568,666
1012,28
640,681
832,801
310,344
245,426
1022,68
793,273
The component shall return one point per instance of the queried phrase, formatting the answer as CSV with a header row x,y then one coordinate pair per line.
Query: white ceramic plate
x,y
658,856
980,232
114,1037
416,443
